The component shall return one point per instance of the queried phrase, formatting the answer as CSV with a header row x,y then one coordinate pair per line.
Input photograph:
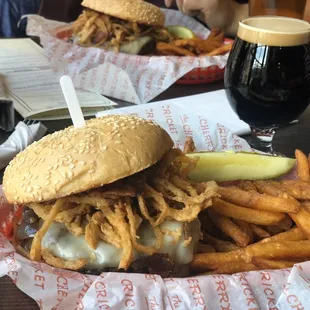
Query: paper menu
x,y
31,84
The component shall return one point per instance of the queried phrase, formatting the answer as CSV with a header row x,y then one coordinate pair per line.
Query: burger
x,y
113,195
128,26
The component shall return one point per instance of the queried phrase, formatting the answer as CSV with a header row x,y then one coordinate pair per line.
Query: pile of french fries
x,y
213,45
256,225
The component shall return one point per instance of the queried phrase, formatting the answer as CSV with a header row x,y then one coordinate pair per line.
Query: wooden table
x,y
286,141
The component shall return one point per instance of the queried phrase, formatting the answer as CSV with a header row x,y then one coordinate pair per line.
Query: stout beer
x,y
267,77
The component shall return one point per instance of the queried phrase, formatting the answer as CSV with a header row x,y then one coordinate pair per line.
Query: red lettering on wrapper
x,y
222,292
13,275
186,128
40,303
206,133
266,281
294,302
150,114
169,120
101,295
168,280
10,262
79,303
150,277
174,301
223,136
152,303
62,289
247,292
39,279
196,292
129,294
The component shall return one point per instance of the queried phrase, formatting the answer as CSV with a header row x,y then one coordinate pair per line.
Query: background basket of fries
x,y
139,78
209,74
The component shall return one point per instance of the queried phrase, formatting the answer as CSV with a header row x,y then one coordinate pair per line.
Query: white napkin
x,y
22,137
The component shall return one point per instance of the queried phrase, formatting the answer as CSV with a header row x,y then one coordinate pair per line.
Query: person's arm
x,y
223,14
226,17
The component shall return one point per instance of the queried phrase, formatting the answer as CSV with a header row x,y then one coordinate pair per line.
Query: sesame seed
x,y
118,142
82,163
56,182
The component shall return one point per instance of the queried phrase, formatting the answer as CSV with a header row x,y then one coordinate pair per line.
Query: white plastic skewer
x,y
72,101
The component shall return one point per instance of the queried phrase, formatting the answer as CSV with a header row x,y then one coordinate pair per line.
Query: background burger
x,y
112,195
127,26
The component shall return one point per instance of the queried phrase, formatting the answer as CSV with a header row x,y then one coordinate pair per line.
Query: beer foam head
x,y
274,31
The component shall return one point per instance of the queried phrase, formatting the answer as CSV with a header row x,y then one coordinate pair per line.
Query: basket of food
x,y
115,215
144,55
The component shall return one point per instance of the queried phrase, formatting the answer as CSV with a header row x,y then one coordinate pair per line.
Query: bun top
x,y
137,11
74,160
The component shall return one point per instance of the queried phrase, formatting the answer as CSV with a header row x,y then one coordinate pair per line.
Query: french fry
x,y
296,188
205,248
259,233
233,267
249,215
206,224
220,50
278,250
306,205
302,220
273,229
284,225
220,245
215,260
303,170
230,228
294,234
258,201
248,186
262,263
166,47
246,227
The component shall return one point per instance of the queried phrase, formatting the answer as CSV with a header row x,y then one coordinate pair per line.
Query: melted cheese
x,y
65,245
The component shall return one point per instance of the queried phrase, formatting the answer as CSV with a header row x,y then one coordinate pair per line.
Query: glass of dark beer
x,y
267,77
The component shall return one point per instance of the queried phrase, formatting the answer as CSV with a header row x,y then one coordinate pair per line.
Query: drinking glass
x,y
267,77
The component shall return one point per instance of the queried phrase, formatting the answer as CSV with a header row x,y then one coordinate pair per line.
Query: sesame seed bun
x,y
137,11
74,160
